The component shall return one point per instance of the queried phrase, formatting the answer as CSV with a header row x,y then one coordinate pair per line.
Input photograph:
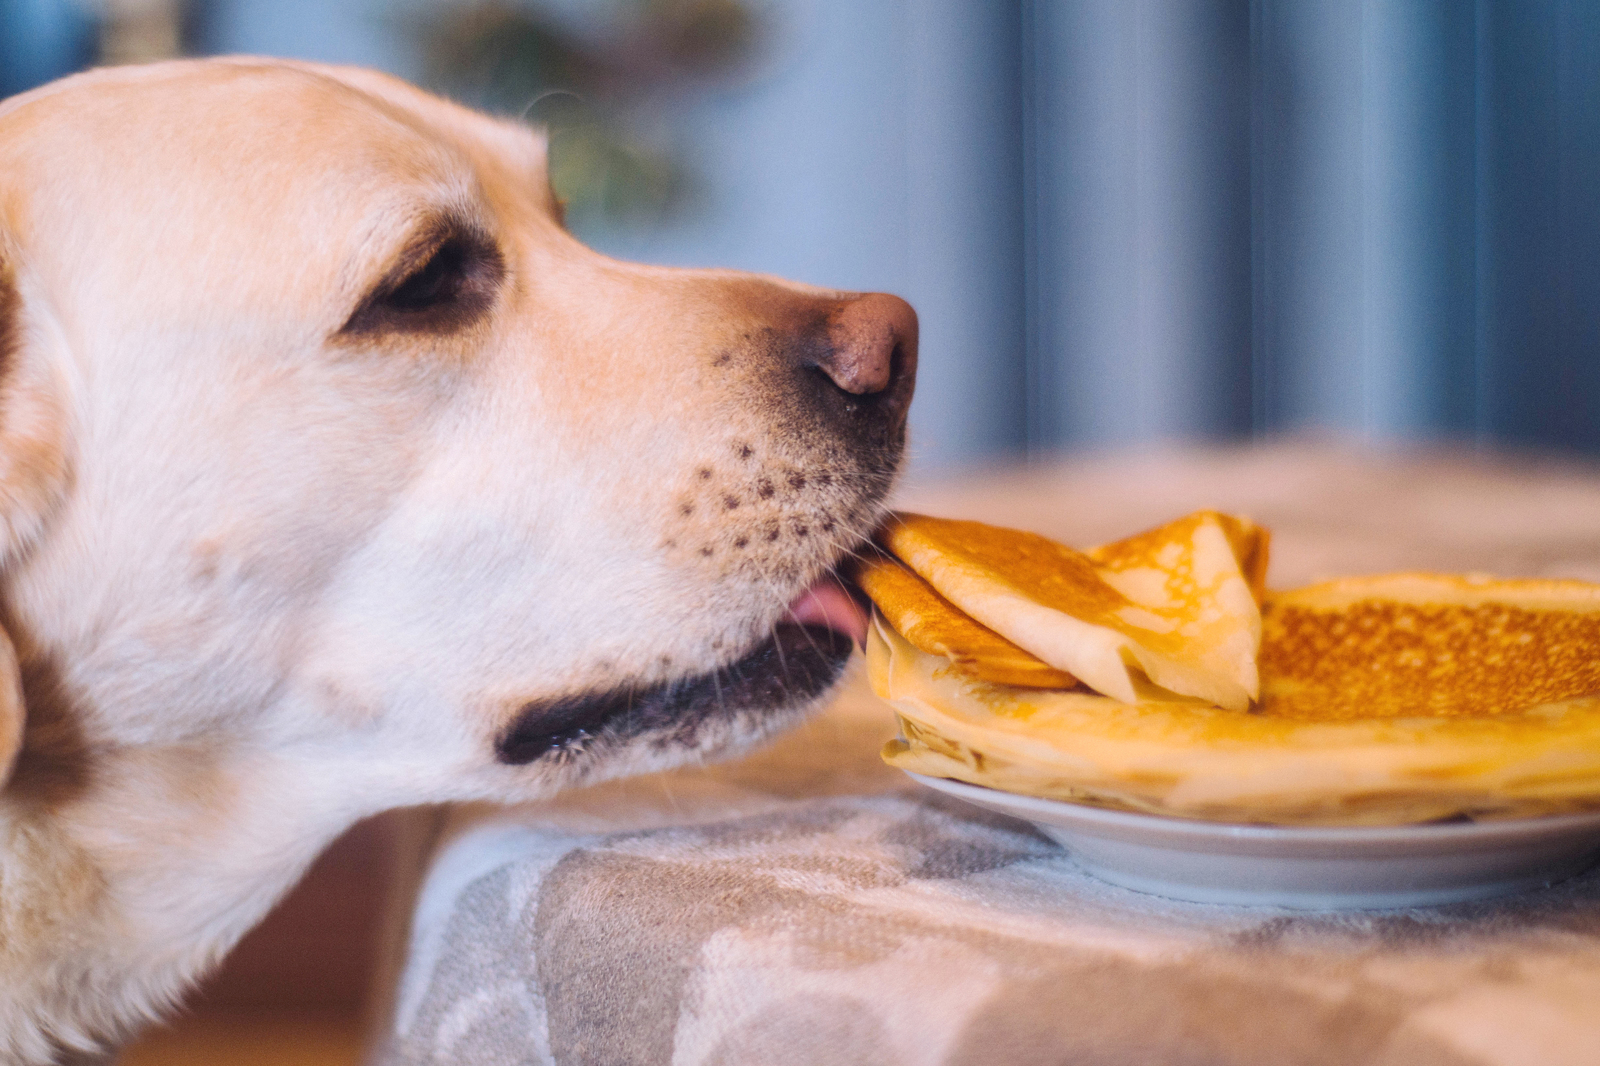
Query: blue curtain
x,y
1379,217
1139,220
1537,222
41,40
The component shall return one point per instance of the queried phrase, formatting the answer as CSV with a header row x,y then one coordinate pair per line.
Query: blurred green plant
x,y
598,76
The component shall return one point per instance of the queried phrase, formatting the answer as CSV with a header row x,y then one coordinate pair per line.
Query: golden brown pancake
x,y
1173,602
1390,699
1428,644
1250,544
934,625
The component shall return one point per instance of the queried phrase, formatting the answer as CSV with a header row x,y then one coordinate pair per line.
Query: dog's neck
x,y
106,920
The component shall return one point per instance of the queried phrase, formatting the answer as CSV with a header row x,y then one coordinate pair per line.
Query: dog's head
x,y
319,434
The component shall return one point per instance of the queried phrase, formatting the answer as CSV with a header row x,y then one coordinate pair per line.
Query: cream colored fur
x,y
265,578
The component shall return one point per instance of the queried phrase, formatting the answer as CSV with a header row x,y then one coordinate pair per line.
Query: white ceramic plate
x,y
1315,868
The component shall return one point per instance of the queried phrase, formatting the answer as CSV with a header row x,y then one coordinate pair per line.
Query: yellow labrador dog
x,y
335,476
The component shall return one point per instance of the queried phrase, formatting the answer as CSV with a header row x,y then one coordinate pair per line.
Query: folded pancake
x,y
1385,700
1176,602
1161,550
932,624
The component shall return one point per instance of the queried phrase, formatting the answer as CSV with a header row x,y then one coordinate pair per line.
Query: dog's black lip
x,y
794,665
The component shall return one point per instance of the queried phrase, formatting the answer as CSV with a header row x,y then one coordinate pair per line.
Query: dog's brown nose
x,y
872,341
857,363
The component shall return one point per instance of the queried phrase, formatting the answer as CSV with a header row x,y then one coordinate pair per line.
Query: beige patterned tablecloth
x,y
808,906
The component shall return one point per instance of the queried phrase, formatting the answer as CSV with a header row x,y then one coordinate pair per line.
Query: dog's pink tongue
x,y
827,604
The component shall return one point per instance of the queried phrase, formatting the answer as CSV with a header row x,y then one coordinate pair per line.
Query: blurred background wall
x,y
1122,221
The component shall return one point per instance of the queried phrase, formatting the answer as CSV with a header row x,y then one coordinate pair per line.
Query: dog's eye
x,y
453,286
441,279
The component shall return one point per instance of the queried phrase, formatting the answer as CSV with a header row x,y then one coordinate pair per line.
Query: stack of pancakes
x,y
1157,674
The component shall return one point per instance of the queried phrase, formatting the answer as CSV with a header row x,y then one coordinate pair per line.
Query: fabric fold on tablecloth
x,y
910,929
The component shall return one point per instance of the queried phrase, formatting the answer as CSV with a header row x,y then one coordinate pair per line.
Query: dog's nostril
x,y
872,343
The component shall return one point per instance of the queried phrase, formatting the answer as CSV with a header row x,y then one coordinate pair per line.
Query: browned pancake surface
x,y
934,625
1052,574
1383,659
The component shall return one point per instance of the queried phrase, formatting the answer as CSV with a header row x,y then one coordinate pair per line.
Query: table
x,y
807,905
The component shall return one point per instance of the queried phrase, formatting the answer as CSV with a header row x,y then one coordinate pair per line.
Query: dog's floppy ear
x,y
33,473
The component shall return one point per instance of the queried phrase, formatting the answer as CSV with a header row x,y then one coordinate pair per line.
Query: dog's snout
x,y
872,339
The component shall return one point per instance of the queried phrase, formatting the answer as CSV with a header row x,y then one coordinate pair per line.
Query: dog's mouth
x,y
828,604
796,663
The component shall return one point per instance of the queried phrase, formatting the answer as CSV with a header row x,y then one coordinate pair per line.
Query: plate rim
x,y
1088,817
